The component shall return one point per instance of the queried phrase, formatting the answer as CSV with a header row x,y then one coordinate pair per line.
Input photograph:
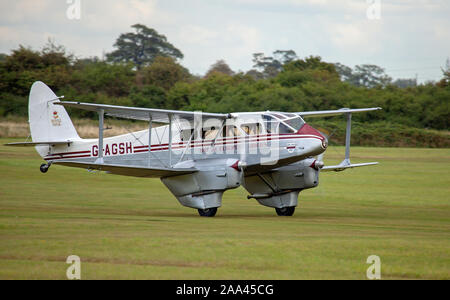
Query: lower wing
x,y
136,171
342,167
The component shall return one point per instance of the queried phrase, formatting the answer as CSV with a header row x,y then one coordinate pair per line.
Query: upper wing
x,y
32,144
329,113
136,171
138,113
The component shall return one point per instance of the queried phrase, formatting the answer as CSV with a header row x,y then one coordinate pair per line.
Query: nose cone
x,y
308,130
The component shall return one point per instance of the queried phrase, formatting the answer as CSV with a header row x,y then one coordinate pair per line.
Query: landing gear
x,y
285,211
44,168
208,212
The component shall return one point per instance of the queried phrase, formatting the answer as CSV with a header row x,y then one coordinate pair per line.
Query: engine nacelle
x,y
205,188
280,187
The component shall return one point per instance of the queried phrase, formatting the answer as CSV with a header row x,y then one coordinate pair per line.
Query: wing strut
x,y
187,145
101,116
346,164
170,140
150,125
347,137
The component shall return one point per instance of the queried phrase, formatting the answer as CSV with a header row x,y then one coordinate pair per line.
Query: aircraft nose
x,y
308,130
324,142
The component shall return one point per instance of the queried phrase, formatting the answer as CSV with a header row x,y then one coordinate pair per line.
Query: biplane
x,y
197,155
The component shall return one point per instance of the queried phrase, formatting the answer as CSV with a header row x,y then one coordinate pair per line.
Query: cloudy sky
x,y
405,37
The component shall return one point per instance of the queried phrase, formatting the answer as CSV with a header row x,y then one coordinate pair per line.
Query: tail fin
x,y
48,122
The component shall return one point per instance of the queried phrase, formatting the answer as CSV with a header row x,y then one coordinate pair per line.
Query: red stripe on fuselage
x,y
162,147
195,144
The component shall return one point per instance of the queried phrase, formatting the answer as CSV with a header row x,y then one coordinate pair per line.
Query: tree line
x,y
144,71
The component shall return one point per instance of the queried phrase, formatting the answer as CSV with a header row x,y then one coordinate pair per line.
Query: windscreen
x,y
296,123
282,123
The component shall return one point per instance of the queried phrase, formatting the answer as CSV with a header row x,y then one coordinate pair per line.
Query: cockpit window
x,y
285,129
279,116
282,123
296,123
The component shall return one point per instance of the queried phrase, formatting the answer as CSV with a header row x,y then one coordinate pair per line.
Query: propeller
x,y
319,163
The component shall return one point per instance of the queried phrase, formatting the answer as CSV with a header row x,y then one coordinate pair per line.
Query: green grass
x,y
130,228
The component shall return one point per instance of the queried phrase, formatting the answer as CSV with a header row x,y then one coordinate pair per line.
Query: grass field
x,y
130,228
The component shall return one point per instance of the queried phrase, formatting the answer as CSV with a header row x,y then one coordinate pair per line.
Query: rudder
x,y
48,122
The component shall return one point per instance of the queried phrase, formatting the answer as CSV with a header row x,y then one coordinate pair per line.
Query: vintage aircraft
x,y
198,156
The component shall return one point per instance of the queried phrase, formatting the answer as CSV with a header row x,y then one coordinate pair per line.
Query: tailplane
x,y
49,123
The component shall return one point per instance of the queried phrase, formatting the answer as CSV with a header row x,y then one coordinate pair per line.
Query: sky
x,y
408,38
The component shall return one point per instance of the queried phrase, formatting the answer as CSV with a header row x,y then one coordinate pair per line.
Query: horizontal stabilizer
x,y
127,170
32,144
342,167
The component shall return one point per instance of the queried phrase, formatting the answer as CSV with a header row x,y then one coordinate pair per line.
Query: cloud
x,y
32,22
9,36
205,31
23,10
357,36
194,34
117,15
244,37
234,42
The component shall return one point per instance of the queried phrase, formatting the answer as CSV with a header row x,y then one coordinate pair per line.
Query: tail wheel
x,y
208,212
44,168
285,211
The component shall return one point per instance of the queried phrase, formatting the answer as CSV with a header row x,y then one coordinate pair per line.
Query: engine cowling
x,y
205,188
280,187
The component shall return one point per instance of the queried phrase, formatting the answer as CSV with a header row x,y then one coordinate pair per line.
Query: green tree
x,y
345,72
164,72
285,56
405,82
220,66
23,59
55,55
311,62
446,72
149,96
270,66
113,79
142,47
255,74
370,76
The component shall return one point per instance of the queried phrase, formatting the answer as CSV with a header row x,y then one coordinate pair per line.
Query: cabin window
x,y
185,134
210,133
231,131
252,129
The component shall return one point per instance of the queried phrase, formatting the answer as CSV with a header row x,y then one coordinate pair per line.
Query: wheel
x,y
285,211
44,168
208,212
